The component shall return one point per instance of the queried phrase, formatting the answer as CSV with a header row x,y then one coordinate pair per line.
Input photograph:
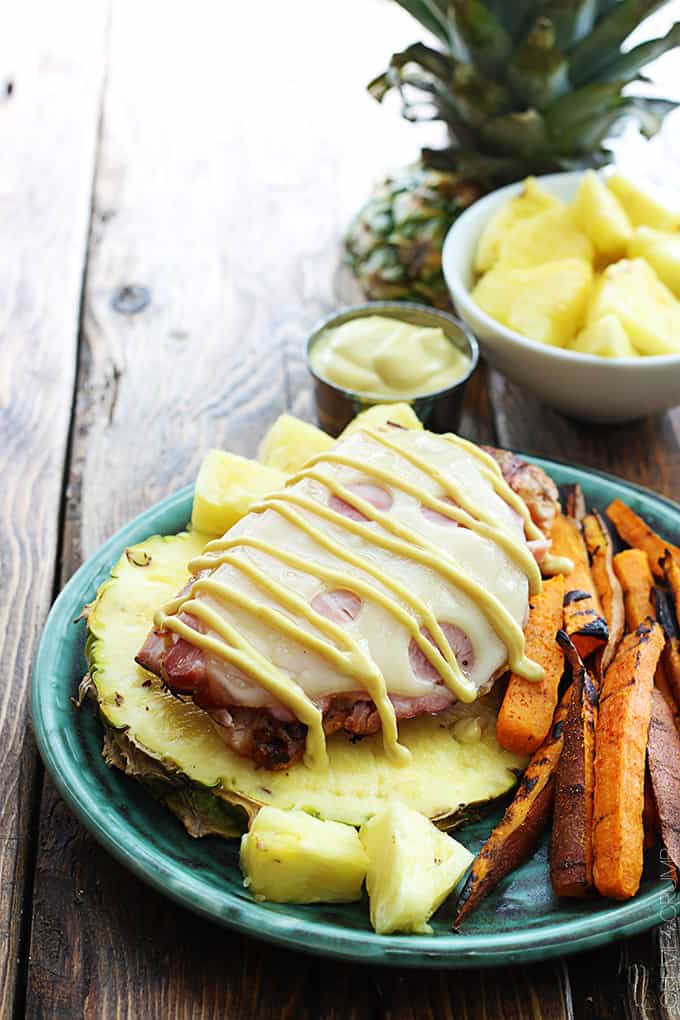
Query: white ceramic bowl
x,y
584,386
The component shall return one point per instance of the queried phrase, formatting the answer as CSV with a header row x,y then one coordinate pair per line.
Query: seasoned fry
x,y
583,619
632,570
518,832
639,535
599,545
571,850
527,710
620,749
663,751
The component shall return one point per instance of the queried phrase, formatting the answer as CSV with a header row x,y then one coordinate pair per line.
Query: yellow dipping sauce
x,y
381,357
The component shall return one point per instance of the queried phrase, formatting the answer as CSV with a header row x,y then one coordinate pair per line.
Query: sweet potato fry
x,y
632,569
571,849
527,710
600,553
519,830
663,753
620,750
639,535
583,619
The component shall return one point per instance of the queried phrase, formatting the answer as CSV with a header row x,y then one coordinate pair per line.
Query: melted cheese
x,y
411,570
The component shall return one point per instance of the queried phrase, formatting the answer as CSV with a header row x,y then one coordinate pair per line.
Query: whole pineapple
x,y
528,87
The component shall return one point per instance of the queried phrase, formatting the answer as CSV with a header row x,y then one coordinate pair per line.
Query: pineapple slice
x,y
662,251
605,337
601,216
544,303
291,857
531,201
226,488
291,442
642,210
399,413
412,868
547,237
648,311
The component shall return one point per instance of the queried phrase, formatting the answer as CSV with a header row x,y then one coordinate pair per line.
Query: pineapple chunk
x,y
412,868
291,442
226,488
291,857
533,199
605,337
601,216
547,237
380,414
544,303
642,210
648,311
662,251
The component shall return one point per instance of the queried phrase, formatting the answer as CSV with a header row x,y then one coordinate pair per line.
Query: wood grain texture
x,y
50,81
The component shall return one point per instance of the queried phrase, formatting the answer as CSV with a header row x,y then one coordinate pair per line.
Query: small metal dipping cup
x,y
439,412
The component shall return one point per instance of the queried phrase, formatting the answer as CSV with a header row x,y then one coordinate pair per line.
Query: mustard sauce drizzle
x,y
512,545
234,648
223,549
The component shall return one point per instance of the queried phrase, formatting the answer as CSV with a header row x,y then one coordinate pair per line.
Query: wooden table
x,y
174,183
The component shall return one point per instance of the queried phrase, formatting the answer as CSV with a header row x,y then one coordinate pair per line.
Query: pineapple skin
x,y
394,245
291,857
412,868
226,488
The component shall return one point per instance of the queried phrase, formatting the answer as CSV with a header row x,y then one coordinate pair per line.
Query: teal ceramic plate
x,y
522,921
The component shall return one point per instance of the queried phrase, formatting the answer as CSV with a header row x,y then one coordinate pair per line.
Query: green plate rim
x,y
176,880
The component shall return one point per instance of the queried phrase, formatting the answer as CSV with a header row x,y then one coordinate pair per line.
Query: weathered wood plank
x,y
50,79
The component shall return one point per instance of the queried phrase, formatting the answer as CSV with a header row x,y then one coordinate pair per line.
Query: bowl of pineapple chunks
x,y
571,283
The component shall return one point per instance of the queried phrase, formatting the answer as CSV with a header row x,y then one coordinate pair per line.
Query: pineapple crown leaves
x,y
528,86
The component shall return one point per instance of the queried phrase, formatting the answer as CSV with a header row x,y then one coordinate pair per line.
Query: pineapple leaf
x,y
486,39
582,104
572,19
537,72
590,55
628,65
516,134
439,64
430,15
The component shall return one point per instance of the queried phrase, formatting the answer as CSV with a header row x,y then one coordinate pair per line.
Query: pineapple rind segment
x,y
291,857
444,778
412,868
